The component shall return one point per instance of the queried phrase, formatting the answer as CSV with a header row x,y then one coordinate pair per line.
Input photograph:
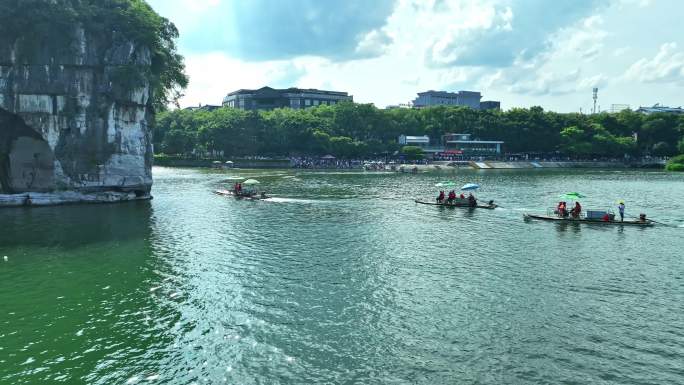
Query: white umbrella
x,y
251,182
470,186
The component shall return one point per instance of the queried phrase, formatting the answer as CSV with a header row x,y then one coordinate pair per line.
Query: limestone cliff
x,y
74,120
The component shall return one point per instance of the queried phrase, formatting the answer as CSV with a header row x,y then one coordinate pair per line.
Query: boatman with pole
x,y
621,210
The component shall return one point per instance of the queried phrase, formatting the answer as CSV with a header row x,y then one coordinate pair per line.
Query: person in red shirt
x,y
577,210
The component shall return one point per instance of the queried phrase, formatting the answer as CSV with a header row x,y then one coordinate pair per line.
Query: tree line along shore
x,y
351,130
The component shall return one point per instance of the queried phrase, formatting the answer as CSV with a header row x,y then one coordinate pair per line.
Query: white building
x,y
442,98
465,145
660,109
418,141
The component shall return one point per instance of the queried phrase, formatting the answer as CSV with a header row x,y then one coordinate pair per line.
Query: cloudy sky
x,y
521,52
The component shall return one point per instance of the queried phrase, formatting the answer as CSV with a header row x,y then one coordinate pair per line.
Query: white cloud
x,y
666,67
522,52
584,39
498,33
213,75
621,51
637,3
562,69
375,43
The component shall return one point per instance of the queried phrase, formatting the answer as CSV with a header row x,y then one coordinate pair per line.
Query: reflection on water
x,y
72,226
342,278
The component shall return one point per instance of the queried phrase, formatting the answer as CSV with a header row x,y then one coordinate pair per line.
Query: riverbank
x,y
561,164
168,161
68,197
408,167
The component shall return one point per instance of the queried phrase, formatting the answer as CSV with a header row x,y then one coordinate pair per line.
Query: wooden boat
x,y
463,203
255,197
646,223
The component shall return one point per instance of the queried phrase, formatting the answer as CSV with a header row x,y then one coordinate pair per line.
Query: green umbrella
x,y
572,196
446,183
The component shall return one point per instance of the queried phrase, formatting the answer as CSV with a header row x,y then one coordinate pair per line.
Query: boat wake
x,y
290,200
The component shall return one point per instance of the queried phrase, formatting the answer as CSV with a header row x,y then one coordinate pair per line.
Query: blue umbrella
x,y
470,186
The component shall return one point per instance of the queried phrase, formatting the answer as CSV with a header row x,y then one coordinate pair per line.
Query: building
x,y
206,107
461,98
397,106
268,98
454,145
615,108
660,109
469,99
418,141
435,98
490,105
463,144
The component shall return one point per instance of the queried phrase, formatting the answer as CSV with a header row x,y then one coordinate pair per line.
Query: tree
x,y
342,146
349,130
412,152
662,149
178,142
675,164
28,24
574,141
321,142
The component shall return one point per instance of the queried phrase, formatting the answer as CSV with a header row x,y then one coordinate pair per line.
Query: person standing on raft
x,y
621,210
472,202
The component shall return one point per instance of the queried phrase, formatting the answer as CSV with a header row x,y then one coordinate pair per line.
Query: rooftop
x,y
658,108
448,94
287,90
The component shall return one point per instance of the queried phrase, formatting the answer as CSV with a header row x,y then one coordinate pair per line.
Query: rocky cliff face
x,y
74,119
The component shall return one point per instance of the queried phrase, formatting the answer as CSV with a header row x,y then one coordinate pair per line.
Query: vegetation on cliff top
x,y
33,23
675,164
355,130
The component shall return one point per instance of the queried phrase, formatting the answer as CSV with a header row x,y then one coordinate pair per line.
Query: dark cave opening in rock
x,y
26,159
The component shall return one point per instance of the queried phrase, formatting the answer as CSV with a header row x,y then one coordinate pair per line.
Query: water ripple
x,y
341,278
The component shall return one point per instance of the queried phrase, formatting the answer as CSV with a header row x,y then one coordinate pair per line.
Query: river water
x,y
343,279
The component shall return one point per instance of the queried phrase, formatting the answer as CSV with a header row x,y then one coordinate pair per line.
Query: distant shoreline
x,y
437,165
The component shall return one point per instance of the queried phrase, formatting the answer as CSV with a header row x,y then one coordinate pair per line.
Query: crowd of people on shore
x,y
344,164
318,163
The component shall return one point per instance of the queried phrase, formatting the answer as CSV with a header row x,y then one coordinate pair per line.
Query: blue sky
x,y
521,52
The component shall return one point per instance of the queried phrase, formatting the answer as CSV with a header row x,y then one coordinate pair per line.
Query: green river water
x,y
342,279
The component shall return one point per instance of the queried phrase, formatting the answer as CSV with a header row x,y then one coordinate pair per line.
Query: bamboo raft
x,y
462,203
646,223
255,197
